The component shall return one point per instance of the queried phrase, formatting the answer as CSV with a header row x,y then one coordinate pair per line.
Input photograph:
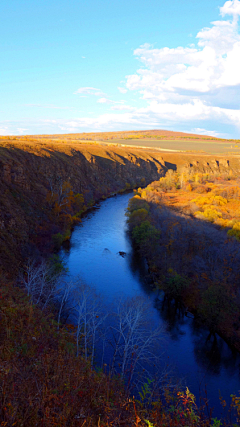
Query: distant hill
x,y
142,134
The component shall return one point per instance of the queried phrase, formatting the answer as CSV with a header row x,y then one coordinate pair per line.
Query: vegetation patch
x,y
46,364
187,226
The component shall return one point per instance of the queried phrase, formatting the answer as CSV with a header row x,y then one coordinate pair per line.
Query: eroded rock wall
x,y
26,176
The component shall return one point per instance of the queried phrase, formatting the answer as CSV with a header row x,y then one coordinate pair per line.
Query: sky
x,y
69,66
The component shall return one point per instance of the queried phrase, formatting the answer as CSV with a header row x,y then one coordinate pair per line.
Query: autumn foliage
x,y
188,225
43,383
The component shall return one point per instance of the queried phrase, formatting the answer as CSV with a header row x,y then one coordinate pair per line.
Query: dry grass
x,y
43,383
154,139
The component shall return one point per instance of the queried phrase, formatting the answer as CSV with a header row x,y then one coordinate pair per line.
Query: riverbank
x,y
184,345
46,383
45,189
34,171
191,260
46,186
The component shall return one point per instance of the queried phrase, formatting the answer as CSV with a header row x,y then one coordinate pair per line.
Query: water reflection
x,y
139,268
212,353
173,314
94,254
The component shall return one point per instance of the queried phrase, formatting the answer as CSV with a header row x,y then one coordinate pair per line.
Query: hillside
x,y
194,219
47,183
159,140
34,170
101,136
30,169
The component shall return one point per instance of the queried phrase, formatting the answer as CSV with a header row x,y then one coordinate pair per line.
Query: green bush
x,y
175,286
57,239
145,232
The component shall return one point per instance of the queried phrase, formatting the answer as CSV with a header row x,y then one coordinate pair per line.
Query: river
x,y
93,254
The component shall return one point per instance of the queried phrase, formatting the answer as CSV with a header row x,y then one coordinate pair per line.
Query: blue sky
x,y
97,65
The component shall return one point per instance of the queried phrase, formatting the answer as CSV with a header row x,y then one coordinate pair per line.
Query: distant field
x,y
207,146
197,146
153,139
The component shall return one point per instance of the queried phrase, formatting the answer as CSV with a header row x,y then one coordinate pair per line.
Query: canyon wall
x,y
28,169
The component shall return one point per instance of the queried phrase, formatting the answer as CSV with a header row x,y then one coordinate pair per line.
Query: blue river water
x,y
201,362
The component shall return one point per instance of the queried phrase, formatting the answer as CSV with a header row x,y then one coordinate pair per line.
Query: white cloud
x,y
200,131
104,101
190,88
194,83
89,91
122,90
109,101
4,131
104,121
122,107
21,130
231,8
154,115
8,127
194,110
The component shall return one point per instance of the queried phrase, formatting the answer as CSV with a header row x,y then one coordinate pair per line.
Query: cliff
x,y
27,172
30,168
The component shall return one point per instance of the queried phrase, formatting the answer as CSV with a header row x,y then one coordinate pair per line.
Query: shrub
x,y
209,214
135,203
57,239
174,286
145,232
137,216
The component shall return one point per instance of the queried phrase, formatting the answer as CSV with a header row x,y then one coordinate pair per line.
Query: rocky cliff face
x,y
26,174
27,170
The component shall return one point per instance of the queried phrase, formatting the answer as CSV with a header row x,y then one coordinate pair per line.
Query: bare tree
x,y
90,317
39,278
130,335
134,341
62,296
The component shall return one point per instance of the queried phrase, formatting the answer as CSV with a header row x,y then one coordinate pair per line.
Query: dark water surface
x,y
94,256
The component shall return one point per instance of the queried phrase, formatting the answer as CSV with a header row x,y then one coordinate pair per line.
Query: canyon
x,y
29,166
